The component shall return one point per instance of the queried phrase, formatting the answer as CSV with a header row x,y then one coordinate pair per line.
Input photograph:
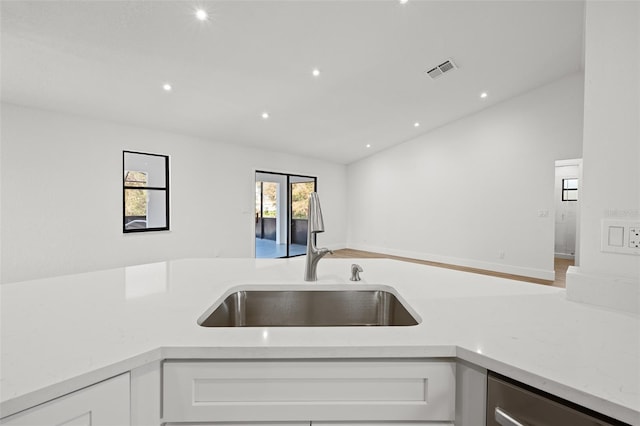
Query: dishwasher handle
x,y
504,419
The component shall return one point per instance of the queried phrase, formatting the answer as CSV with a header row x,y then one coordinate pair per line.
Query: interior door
x,y
566,195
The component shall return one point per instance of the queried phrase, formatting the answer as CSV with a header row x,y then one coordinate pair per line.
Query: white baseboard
x,y
469,263
609,291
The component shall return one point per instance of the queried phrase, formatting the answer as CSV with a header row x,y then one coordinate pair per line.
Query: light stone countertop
x,y
64,333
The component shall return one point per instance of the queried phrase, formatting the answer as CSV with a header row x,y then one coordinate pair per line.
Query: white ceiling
x,y
109,59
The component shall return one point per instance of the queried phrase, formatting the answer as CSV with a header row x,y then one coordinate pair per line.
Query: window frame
x,y
568,192
126,187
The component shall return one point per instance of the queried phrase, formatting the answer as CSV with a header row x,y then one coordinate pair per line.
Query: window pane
x,y
300,199
135,178
570,183
145,209
135,203
269,199
151,165
157,209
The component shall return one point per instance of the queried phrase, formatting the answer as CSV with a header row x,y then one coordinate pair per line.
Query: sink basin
x,y
308,307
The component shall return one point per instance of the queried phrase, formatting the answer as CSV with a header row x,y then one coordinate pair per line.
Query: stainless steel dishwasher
x,y
510,403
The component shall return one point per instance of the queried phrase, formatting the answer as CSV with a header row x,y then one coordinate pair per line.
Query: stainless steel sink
x,y
308,308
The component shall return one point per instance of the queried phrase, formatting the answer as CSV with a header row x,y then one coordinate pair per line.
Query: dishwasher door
x,y
509,404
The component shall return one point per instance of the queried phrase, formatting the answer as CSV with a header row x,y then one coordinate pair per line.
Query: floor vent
x,y
443,68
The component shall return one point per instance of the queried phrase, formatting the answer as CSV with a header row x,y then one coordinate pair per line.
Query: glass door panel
x,y
281,214
269,243
300,188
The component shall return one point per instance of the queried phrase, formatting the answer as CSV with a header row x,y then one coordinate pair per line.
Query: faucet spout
x,y
315,225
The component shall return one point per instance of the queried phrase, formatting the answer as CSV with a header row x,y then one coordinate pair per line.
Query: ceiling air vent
x,y
444,67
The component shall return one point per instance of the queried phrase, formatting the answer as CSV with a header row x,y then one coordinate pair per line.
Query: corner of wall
x,y
610,153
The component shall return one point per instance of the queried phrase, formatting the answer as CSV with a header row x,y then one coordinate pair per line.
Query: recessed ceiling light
x,y
416,124
403,1
265,115
202,15
484,95
167,87
315,72
368,145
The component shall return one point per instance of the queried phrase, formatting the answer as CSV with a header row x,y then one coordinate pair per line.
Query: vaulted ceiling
x,y
110,60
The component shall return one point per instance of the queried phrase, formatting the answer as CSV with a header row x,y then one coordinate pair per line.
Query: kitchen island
x,y
65,333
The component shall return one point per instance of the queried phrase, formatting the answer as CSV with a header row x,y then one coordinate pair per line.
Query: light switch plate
x,y
616,236
621,236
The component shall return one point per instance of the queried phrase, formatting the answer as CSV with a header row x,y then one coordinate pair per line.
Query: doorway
x,y
281,217
567,210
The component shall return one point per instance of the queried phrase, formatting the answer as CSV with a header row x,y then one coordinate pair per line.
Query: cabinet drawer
x,y
308,390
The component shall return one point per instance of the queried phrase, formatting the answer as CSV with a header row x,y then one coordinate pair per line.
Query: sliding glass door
x,y
300,187
281,213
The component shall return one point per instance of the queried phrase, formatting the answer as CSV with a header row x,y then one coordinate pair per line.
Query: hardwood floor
x,y
560,266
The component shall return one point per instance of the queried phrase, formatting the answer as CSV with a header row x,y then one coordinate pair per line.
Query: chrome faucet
x,y
315,225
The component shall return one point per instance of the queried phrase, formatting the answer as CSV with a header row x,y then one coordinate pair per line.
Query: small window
x,y
570,189
145,192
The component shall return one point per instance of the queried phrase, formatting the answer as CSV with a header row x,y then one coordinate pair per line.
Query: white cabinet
x,y
300,390
471,394
246,424
317,424
381,424
146,382
103,404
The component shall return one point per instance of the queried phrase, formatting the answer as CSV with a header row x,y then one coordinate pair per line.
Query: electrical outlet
x,y
634,237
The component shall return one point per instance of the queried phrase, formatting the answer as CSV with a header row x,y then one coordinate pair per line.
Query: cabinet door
x,y
382,424
247,424
103,404
299,390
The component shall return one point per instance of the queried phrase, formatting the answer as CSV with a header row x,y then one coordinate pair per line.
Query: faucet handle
x,y
355,272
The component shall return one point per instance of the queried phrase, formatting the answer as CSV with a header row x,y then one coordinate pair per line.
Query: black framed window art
x,y
145,192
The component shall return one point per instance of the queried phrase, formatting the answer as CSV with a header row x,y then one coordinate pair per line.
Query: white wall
x,y
473,189
61,196
611,171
